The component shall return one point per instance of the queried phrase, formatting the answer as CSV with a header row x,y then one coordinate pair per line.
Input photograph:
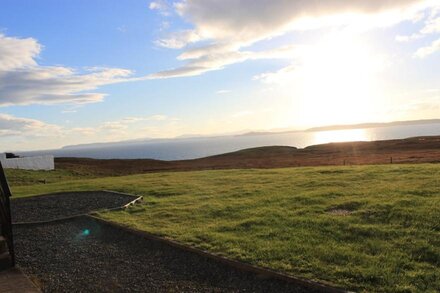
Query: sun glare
x,y
340,136
337,82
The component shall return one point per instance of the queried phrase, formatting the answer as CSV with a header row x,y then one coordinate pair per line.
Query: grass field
x,y
364,228
18,177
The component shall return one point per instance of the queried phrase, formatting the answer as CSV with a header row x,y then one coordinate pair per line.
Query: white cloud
x,y
403,38
114,125
14,126
125,123
217,58
160,5
428,50
431,26
259,19
179,39
23,81
221,92
25,133
157,117
122,28
67,111
281,76
17,53
230,25
83,131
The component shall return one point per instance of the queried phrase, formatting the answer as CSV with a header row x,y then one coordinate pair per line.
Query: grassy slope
x,y
278,218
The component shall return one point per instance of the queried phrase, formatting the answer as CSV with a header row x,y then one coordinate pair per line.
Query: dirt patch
x,y
339,212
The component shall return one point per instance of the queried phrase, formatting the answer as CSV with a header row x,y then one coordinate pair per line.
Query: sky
x,y
83,71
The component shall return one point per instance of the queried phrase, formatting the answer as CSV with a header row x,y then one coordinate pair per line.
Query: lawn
x,y
27,177
364,228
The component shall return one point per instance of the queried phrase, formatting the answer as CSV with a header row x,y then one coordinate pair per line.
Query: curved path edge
x,y
264,272
261,271
136,198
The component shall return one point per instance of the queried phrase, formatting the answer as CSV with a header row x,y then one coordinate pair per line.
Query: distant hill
x,y
410,150
106,144
374,125
348,126
185,137
249,133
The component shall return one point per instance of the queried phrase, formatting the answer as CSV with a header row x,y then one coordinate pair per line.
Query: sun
x,y
337,82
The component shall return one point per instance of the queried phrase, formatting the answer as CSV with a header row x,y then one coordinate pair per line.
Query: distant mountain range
x,y
250,133
374,125
350,126
104,144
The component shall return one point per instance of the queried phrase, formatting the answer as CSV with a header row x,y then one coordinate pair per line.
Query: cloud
x,y
14,126
216,58
431,26
408,38
25,133
68,111
179,39
124,123
428,50
160,5
83,131
157,117
18,53
23,81
258,19
281,76
224,28
221,92
122,28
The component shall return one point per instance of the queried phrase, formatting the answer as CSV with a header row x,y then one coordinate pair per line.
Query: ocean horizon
x,y
192,148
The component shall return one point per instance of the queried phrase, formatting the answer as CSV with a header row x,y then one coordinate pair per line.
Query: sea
x,y
191,148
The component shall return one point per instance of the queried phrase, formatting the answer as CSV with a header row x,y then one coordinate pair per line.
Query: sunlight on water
x,y
340,136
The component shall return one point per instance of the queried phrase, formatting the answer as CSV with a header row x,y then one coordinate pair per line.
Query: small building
x,y
46,162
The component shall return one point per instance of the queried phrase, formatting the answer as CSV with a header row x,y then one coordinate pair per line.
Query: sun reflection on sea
x,y
340,136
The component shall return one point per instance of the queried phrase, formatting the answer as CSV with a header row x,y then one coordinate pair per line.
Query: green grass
x,y
27,177
279,218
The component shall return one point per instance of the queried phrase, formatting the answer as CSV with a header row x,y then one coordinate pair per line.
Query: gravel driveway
x,y
61,205
81,254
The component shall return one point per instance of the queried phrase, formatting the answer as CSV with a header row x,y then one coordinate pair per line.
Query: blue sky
x,y
87,71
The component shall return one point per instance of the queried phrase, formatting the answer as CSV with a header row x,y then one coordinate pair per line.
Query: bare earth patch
x,y
339,212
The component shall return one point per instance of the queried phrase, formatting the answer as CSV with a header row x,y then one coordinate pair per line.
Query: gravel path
x,y
83,255
62,205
